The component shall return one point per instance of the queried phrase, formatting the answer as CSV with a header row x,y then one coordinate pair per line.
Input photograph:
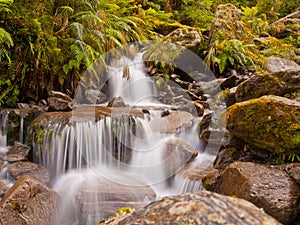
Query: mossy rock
x,y
270,122
280,83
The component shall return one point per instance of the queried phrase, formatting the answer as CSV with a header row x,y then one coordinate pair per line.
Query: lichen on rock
x,y
270,122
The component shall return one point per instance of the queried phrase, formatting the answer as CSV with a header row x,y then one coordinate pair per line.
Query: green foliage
x,y
280,48
195,13
256,25
121,211
229,53
56,41
5,4
284,159
273,9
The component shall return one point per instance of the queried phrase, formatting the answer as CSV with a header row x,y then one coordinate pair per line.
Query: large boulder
x,y
197,208
276,64
28,202
267,188
279,83
270,122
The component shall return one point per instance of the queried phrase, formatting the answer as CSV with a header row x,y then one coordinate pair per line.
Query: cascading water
x,y
99,165
3,127
127,79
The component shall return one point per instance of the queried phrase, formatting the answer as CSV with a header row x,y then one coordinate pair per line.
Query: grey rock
x,y
276,64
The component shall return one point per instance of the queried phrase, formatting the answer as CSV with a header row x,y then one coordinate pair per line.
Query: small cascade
x,y
3,127
104,163
81,145
127,78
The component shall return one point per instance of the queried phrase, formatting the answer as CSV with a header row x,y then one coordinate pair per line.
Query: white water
x,y
3,127
122,150
137,88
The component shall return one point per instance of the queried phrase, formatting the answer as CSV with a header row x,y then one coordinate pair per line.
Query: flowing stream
x,y
100,165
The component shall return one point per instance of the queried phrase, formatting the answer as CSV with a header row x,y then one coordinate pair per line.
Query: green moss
x,y
268,122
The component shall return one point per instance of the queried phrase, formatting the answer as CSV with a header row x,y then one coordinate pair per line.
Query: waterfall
x,y
101,164
127,78
3,127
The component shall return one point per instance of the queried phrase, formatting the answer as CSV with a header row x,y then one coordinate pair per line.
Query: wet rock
x,y
187,37
197,208
276,64
286,26
85,113
269,122
116,102
211,87
191,177
199,107
18,152
267,188
176,155
173,122
34,170
95,96
230,82
280,83
99,200
28,202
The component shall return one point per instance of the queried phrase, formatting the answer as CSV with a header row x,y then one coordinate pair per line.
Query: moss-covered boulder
x,y
269,122
279,83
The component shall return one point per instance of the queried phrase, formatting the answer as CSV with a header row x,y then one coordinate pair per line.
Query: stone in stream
x,y
173,122
176,155
196,208
267,188
269,122
34,170
29,202
18,152
101,199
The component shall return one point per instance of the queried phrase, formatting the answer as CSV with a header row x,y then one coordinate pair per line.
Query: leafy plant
x,y
229,53
256,24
